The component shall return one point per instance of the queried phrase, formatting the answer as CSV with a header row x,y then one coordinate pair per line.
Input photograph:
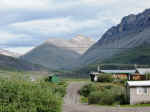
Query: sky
x,y
25,24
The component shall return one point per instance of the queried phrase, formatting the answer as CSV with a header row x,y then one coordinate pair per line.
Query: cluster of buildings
x,y
134,74
137,87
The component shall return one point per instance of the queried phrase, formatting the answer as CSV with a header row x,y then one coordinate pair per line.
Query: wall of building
x,y
137,77
137,99
120,76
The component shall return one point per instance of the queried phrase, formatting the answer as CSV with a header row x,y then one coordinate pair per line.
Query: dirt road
x,y
72,103
72,97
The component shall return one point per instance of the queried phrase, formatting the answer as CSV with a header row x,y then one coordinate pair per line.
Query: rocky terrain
x,y
132,34
59,53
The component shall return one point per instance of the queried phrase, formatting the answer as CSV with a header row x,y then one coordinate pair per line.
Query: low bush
x,y
104,94
24,96
105,78
87,89
109,96
120,81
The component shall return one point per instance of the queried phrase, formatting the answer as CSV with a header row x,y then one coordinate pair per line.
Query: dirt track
x,y
72,103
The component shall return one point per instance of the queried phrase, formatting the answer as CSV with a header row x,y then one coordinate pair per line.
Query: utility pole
x,y
98,68
135,66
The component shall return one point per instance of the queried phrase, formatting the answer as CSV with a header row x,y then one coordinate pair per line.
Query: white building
x,y
138,92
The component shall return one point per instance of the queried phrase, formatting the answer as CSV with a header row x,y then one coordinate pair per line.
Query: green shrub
x,y
25,96
105,78
104,94
60,90
120,81
87,89
106,97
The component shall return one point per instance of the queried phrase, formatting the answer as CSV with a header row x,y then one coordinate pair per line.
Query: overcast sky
x,y
27,23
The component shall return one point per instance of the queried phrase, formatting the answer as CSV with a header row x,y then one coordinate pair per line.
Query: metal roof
x,y
94,73
119,71
143,71
138,83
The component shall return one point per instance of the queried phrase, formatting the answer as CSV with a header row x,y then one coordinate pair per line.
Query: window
x,y
142,91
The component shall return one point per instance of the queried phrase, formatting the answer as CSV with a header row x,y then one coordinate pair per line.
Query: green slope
x,y
10,63
140,55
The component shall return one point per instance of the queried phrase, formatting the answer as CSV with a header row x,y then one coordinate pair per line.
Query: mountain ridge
x,y
59,53
133,31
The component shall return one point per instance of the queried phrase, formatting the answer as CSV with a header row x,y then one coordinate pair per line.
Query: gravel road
x,y
72,103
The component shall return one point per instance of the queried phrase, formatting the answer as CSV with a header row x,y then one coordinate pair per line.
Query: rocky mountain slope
x,y
8,53
119,42
11,63
59,53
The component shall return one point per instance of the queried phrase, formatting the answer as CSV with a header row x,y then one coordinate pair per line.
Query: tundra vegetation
x,y
103,94
20,95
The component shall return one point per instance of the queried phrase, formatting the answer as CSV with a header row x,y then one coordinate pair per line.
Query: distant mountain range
x,y
11,63
59,53
127,43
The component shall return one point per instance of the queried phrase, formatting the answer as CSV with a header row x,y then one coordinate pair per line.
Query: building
x,y
138,92
134,74
117,74
143,71
94,76
120,74
53,78
140,73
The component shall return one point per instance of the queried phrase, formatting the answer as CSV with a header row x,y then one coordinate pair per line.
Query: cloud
x,y
25,4
63,26
15,40
28,23
98,2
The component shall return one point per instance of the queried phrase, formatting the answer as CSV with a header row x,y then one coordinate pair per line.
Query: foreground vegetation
x,y
103,94
19,95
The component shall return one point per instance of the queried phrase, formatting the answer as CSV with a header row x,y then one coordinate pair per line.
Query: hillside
x,y
59,53
122,43
10,63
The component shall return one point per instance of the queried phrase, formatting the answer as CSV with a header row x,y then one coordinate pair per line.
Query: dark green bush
x,y
105,78
87,89
94,97
120,81
61,90
25,96
104,94
107,97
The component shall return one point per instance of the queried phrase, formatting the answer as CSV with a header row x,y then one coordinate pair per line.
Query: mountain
x,y
8,53
11,63
59,53
127,42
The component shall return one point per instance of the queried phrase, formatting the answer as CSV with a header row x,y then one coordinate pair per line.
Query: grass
x,y
76,79
83,99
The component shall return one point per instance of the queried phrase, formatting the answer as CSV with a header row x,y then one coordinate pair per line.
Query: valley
x,y
75,56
